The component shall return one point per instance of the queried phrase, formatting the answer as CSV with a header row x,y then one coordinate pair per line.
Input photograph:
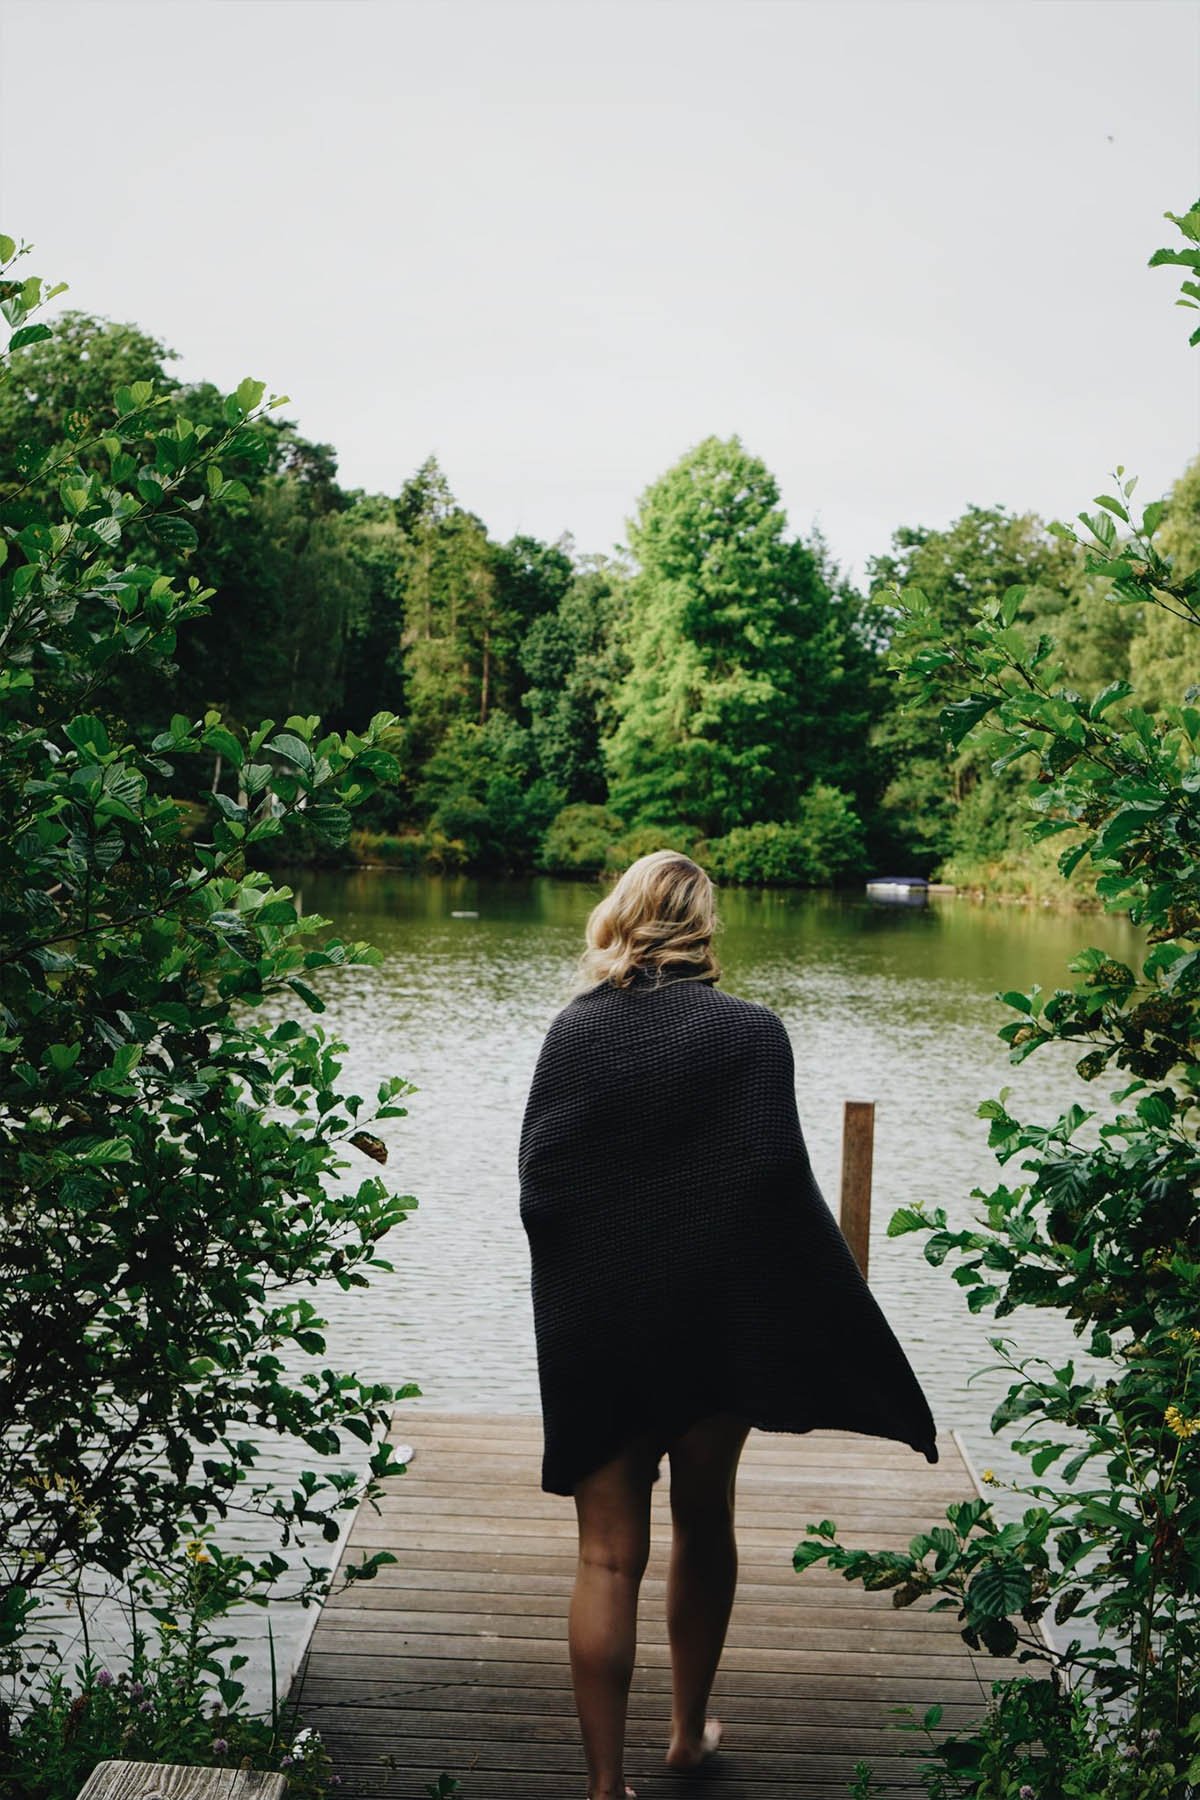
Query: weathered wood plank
x,y
531,1708
381,1681
376,1608
158,1781
455,1657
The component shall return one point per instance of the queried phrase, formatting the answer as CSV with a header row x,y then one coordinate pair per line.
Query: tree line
x,y
719,683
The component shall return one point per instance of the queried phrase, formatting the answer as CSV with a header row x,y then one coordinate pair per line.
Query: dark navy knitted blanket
x,y
683,1259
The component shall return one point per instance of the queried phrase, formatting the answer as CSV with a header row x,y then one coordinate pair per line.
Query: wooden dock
x,y
455,1657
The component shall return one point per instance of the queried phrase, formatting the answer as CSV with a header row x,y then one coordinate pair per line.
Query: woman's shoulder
x,y
754,1015
604,1002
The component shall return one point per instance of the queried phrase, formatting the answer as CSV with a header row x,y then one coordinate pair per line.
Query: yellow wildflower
x,y
1183,1428
989,1478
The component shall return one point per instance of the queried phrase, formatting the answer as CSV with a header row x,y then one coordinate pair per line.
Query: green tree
x,y
733,650
574,660
288,589
481,786
532,580
940,802
448,579
374,672
65,381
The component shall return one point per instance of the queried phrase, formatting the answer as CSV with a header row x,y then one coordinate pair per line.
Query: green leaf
x,y
108,1150
958,718
175,532
312,1000
222,740
998,1587
8,248
249,393
979,1297
29,334
286,744
1042,1459
88,733
1116,690
906,1219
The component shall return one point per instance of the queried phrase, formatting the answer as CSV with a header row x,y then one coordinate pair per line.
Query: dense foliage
x,y
738,694
1102,1224
701,683
173,1141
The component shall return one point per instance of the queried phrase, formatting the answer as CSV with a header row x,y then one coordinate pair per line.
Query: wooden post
x,y
160,1781
858,1147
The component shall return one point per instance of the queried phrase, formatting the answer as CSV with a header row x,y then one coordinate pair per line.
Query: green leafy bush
x,y
580,840
177,1699
1102,1227
173,1143
481,787
824,842
642,840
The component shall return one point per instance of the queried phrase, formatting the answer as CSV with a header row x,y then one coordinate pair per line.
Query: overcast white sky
x,y
899,248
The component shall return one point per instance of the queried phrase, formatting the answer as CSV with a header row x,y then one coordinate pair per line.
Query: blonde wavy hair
x,y
659,916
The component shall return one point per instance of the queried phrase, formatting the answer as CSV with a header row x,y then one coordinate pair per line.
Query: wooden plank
x,y
380,1680
504,1784
530,1707
370,1607
160,1781
455,1657
825,1630
356,1658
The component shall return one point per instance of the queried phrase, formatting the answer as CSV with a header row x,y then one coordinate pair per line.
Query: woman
x,y
689,1282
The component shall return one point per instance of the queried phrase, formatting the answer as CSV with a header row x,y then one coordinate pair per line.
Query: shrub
x,y
826,841
481,787
579,840
172,1152
175,1698
642,840
1102,1229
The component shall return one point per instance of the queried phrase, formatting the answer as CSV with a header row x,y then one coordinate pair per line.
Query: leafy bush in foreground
x,y
172,1141
1103,1229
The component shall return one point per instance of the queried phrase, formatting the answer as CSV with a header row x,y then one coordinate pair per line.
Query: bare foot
x,y
687,1754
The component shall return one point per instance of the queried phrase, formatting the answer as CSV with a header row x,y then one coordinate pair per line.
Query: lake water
x,y
884,1003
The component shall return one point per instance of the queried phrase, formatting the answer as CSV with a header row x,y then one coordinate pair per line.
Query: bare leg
x,y
702,1577
613,1509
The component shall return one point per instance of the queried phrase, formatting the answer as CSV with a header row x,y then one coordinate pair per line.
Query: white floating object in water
x,y
464,915
907,890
